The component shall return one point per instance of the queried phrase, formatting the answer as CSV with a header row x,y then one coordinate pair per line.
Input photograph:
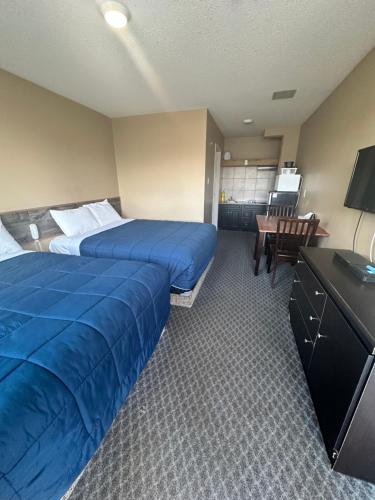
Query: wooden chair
x,y
281,211
277,211
291,234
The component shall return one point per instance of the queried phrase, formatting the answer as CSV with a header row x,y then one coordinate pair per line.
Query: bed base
x,y
187,299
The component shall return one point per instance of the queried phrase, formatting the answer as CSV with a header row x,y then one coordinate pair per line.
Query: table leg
x,y
258,251
256,246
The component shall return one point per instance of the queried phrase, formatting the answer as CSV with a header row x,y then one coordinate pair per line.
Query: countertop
x,y
245,203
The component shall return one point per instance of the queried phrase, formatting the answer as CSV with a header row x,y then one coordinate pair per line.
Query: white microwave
x,y
287,182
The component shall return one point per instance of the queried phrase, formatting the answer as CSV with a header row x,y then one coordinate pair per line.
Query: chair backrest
x,y
280,210
293,233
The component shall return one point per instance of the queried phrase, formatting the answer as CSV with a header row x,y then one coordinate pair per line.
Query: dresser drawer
x,y
301,335
312,321
314,290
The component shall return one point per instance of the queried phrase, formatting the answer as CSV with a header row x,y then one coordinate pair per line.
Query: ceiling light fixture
x,y
248,121
115,14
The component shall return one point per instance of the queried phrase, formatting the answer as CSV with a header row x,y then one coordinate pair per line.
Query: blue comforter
x,y
184,248
75,333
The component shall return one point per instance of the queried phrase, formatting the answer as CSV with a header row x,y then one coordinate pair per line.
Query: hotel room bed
x,y
184,248
75,333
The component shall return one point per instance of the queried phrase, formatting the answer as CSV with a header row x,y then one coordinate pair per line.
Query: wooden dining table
x,y
268,224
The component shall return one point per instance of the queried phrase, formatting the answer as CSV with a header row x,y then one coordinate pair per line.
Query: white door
x,y
216,186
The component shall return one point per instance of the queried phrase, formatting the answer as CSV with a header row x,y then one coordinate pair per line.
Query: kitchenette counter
x,y
244,203
240,216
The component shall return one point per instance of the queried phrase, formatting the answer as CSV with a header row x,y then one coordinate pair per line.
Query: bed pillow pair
x,y
103,212
75,221
86,218
7,243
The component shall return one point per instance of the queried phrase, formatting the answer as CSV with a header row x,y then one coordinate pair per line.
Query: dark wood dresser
x,y
332,314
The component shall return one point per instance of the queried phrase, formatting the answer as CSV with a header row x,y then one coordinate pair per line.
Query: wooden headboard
x,y
17,222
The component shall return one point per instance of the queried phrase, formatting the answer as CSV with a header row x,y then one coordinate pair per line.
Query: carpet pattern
x,y
222,410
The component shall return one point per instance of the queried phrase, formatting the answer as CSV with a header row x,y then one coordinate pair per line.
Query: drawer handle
x,y
307,341
319,293
296,281
320,336
312,318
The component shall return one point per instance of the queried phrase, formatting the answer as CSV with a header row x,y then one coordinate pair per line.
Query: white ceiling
x,y
226,55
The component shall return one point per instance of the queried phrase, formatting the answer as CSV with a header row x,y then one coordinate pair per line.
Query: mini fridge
x,y
283,198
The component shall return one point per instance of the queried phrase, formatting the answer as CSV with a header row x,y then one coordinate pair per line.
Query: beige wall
x,y
329,142
258,147
52,150
289,137
161,164
213,136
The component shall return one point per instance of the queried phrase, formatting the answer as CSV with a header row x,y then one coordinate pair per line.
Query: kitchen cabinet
x,y
240,217
229,216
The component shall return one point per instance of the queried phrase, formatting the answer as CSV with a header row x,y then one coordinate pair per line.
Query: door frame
x,y
216,185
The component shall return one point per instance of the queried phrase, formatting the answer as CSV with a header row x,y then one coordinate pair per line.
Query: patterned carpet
x,y
222,411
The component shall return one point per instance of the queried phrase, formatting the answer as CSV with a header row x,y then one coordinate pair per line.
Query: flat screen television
x,y
361,190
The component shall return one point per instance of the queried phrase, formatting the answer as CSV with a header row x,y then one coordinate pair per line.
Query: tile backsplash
x,y
247,183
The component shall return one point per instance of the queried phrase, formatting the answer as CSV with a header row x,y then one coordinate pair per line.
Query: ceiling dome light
x,y
115,14
247,121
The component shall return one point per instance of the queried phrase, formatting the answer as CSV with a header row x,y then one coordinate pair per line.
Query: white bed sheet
x,y
70,245
6,256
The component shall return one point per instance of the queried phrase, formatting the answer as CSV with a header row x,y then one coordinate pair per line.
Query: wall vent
x,y
283,94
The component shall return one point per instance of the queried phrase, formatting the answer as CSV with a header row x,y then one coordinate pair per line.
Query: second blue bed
x,y
184,248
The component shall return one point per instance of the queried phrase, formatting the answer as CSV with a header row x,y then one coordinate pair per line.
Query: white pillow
x,y
7,243
103,212
74,221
